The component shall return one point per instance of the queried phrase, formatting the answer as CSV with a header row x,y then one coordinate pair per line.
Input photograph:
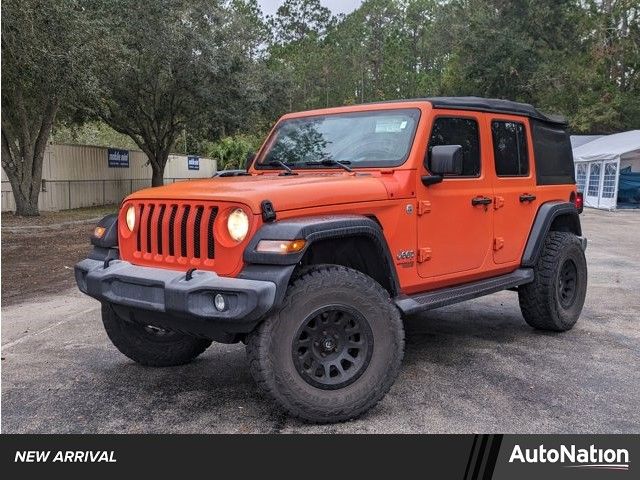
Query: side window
x,y
459,131
510,149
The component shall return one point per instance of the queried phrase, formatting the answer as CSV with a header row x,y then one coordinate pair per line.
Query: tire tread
x,y
126,338
535,298
261,365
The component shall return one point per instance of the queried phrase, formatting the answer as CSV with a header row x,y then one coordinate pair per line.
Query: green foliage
x,y
231,153
91,133
180,64
580,58
300,20
47,56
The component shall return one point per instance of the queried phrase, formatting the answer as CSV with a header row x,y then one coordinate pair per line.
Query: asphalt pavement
x,y
472,367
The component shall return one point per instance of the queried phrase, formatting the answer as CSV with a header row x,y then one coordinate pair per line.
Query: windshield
x,y
380,138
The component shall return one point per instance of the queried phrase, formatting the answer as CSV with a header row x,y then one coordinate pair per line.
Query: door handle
x,y
481,201
526,197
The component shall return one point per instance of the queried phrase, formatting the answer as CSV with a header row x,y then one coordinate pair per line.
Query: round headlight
x,y
238,224
131,217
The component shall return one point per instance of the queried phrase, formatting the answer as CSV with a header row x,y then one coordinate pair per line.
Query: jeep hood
x,y
284,192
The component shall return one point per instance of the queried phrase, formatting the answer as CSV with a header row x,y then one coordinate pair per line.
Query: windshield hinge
x,y
268,212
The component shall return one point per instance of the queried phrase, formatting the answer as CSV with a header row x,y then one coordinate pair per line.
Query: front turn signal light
x,y
99,232
280,246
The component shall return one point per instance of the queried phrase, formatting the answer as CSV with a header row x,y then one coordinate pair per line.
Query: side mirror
x,y
442,160
446,160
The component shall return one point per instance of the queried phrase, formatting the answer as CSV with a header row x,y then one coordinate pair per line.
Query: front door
x,y
514,186
455,216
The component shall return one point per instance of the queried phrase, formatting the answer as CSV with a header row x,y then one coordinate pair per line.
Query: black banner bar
x,y
464,457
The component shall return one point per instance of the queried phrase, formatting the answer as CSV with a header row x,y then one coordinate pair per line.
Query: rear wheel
x,y
149,345
554,300
333,349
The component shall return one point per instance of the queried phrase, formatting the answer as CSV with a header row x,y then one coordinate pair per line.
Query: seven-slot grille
x,y
180,231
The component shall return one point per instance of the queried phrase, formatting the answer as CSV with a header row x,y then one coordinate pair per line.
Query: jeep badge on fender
x,y
312,256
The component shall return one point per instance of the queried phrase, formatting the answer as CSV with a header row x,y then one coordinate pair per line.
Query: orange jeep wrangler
x,y
346,220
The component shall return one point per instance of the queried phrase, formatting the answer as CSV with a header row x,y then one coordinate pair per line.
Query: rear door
x,y
514,183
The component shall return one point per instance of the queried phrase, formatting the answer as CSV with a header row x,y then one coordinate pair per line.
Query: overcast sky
x,y
269,7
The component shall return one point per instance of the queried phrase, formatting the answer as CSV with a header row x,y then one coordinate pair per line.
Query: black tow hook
x,y
107,262
189,275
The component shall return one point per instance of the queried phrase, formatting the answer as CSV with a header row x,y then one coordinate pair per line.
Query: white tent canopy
x,y
579,140
598,165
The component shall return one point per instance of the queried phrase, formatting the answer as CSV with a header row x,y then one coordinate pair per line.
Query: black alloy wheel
x,y
332,347
567,283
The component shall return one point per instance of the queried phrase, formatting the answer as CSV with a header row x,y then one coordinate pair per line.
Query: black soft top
x,y
494,105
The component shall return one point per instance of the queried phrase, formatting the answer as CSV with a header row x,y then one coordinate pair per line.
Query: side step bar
x,y
460,293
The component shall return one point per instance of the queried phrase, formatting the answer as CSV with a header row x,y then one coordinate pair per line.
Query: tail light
x,y
578,201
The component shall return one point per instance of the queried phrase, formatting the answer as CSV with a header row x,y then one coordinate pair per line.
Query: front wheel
x,y
149,345
333,349
554,300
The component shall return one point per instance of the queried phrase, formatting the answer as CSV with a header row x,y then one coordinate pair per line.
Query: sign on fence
x,y
118,158
193,162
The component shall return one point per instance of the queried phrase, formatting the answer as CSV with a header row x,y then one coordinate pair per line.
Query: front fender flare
x,y
313,229
110,237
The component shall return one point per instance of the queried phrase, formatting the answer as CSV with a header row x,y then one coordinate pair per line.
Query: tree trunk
x,y
155,144
23,148
158,162
26,204
157,178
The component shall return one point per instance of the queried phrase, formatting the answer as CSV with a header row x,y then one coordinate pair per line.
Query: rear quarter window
x,y
553,154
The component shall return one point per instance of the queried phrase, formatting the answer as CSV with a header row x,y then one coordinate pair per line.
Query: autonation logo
x,y
573,457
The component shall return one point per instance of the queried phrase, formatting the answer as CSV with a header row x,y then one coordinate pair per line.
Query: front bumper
x,y
167,299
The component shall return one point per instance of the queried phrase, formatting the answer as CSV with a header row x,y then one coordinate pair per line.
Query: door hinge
x,y
498,243
424,254
424,206
498,202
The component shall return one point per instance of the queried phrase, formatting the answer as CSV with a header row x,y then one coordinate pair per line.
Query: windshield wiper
x,y
331,162
280,163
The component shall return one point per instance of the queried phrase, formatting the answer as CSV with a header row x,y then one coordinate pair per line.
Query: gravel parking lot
x,y
473,367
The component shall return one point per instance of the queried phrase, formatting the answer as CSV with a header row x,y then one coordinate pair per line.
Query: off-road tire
x,y
540,301
141,345
269,347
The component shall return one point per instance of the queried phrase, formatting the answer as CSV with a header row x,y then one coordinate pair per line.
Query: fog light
x,y
219,302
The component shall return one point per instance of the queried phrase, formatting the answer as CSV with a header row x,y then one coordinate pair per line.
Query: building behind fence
x,y
75,176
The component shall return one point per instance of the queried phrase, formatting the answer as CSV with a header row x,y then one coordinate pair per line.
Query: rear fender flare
x,y
547,214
